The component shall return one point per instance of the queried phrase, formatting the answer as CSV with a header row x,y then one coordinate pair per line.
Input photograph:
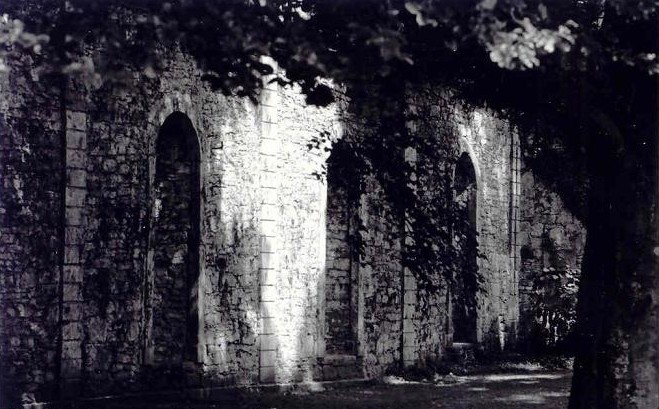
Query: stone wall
x,y
31,233
488,140
90,225
381,276
259,249
341,257
551,238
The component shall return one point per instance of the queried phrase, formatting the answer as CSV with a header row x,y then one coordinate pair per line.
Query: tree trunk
x,y
616,353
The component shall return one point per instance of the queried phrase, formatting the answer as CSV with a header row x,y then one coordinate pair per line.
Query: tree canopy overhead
x,y
342,40
583,71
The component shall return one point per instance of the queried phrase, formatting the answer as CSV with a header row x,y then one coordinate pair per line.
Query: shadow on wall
x,y
230,325
225,351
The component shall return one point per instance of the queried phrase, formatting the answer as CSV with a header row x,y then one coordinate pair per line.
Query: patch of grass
x,y
482,364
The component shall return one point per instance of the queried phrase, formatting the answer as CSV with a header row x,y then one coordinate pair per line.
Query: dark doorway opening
x,y
465,283
174,243
340,280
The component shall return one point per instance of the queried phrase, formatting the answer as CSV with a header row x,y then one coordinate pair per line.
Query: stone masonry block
x,y
269,228
410,354
75,158
269,293
76,178
269,179
76,139
73,235
269,260
410,297
267,276
269,195
269,342
71,350
74,217
75,197
267,374
267,358
76,120
72,311
269,212
270,93
270,146
72,331
72,292
269,114
268,326
410,339
72,254
72,274
267,309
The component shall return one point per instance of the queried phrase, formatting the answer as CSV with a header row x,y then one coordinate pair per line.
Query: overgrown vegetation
x,y
585,68
554,302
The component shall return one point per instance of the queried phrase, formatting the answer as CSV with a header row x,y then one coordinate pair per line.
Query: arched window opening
x,y
340,277
175,242
465,283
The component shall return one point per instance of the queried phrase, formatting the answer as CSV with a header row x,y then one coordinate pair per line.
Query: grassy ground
x,y
540,389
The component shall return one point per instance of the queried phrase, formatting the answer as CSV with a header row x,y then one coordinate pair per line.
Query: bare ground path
x,y
540,389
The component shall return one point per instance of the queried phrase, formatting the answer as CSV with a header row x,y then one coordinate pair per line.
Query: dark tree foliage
x,y
579,76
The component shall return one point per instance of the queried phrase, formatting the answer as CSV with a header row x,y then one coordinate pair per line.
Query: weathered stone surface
x,y
279,293
31,235
551,238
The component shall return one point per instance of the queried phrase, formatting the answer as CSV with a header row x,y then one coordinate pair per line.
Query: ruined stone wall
x,y
80,196
296,238
427,310
31,239
381,274
259,246
551,237
262,249
486,138
341,254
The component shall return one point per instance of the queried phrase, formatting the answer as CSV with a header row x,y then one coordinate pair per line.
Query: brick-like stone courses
x,y
301,228
550,237
489,140
426,315
339,332
121,335
262,294
381,271
74,222
270,346
233,245
31,205
465,287
260,241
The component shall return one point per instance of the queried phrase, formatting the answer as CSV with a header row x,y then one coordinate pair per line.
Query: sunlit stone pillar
x,y
269,266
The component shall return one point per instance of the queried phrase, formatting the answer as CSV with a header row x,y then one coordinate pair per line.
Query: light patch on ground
x,y
526,366
518,377
555,394
478,389
523,398
397,380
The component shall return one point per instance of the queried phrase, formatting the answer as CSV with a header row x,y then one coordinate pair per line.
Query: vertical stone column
x,y
410,341
515,262
410,345
269,265
75,195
